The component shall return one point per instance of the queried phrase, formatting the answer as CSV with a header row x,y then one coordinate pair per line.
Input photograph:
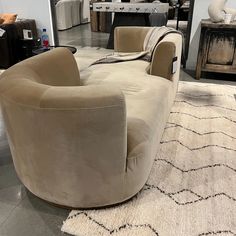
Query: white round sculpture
x,y
217,11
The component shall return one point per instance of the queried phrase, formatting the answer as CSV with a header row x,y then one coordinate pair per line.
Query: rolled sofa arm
x,y
129,39
56,67
73,141
91,119
82,97
162,60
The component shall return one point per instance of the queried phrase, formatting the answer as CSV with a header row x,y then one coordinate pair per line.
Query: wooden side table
x,y
25,48
217,48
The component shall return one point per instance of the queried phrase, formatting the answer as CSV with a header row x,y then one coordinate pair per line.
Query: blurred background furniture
x,y
178,11
68,13
217,48
130,14
182,9
100,21
10,43
27,46
76,12
71,13
85,11
180,17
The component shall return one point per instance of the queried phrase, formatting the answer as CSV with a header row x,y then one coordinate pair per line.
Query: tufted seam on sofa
x,y
59,109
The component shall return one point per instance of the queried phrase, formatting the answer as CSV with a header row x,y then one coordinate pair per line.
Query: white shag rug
x,y
191,190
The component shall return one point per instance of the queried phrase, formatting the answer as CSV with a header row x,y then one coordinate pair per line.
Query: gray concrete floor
x,y
23,214
82,36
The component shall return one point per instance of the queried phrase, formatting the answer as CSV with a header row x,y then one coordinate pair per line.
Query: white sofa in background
x,y
68,14
85,11
76,12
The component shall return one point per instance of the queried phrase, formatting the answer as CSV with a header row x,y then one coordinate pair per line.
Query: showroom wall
x,y
31,9
200,12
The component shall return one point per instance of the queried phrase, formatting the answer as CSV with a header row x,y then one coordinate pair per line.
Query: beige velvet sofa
x,y
89,139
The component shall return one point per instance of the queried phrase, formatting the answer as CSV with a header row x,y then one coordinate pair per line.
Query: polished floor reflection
x,y
82,36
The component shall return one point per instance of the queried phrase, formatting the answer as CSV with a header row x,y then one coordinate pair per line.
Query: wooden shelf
x,y
217,48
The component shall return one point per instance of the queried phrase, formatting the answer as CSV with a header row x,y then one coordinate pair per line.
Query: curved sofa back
x,y
56,68
68,142
28,80
130,39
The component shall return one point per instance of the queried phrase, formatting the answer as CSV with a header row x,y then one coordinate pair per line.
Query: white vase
x,y
216,10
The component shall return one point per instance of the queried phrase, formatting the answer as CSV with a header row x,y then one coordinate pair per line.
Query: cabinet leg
x,y
198,74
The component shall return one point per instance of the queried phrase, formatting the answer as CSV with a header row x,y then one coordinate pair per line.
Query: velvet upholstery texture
x,y
86,139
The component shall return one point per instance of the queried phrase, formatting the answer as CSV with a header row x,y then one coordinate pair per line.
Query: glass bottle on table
x,y
45,39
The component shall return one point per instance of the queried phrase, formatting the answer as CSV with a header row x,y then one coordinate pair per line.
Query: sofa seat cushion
x,y
148,99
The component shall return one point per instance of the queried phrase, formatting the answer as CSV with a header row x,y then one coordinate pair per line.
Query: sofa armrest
x,y
129,39
56,67
82,97
93,119
74,136
162,61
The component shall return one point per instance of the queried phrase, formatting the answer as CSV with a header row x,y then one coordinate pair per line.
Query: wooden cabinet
x,y
100,21
217,48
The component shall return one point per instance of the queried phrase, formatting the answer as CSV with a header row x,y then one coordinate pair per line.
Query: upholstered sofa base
x,y
77,207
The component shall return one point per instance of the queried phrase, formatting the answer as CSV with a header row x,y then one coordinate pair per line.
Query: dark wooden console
x,y
217,48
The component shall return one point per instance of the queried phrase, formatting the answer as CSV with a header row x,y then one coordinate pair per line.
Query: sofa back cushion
x,y
8,18
129,39
55,68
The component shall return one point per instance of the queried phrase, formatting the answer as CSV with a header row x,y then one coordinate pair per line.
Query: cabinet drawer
x,y
217,48
221,48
